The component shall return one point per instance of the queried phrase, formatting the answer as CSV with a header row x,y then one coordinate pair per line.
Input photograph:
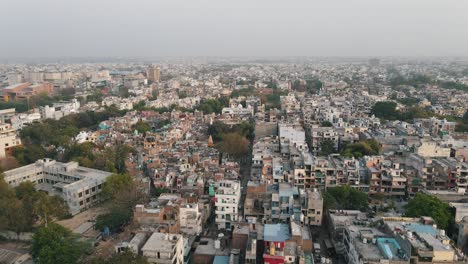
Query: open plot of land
x,y
79,219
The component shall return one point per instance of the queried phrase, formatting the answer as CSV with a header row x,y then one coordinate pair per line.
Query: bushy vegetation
x,y
345,198
56,244
327,147
312,85
361,148
233,140
23,207
122,194
387,110
213,105
418,80
326,124
244,92
38,142
218,129
428,205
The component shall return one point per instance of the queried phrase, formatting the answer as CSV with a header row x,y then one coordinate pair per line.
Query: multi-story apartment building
x,y
227,195
79,186
190,219
434,126
153,74
320,134
164,248
400,240
454,172
8,139
312,207
385,177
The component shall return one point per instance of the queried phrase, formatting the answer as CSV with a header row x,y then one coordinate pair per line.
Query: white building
x,y
61,109
238,111
21,120
79,186
227,196
190,219
164,248
8,139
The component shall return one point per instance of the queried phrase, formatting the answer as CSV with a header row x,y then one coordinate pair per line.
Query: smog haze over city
x,y
233,132
145,28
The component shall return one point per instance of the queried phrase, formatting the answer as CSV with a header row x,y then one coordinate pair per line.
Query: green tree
x,y
385,110
114,220
213,105
56,244
123,195
326,124
141,127
115,184
327,147
234,145
345,198
48,207
428,205
361,148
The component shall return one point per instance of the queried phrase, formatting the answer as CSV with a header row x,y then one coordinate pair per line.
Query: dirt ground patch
x,y
82,217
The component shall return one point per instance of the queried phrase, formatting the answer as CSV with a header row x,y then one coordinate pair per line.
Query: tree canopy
x,y
218,129
312,85
327,147
326,124
361,148
386,110
122,194
345,198
23,207
142,127
234,144
56,244
428,205
213,105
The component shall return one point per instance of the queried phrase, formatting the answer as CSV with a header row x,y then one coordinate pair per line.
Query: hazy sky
x,y
42,28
